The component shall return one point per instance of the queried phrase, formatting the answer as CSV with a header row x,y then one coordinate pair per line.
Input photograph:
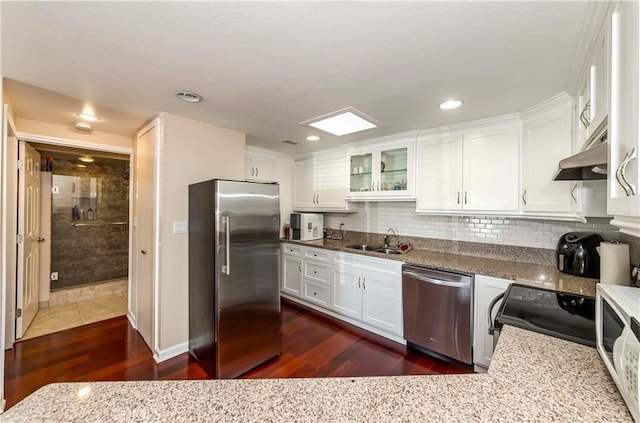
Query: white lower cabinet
x,y
370,290
486,289
291,275
364,291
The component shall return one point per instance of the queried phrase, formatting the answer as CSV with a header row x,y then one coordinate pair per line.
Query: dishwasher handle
x,y
424,278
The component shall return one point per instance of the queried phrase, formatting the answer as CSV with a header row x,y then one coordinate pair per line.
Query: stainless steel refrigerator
x,y
234,272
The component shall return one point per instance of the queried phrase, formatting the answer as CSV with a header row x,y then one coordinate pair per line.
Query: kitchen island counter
x,y
537,275
533,377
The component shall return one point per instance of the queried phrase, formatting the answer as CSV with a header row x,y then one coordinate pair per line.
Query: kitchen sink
x,y
388,251
363,247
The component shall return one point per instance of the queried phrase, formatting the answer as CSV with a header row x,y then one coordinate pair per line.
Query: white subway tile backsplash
x,y
379,217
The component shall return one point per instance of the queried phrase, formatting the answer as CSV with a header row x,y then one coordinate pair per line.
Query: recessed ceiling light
x,y
313,138
343,122
86,159
88,117
188,96
450,104
83,126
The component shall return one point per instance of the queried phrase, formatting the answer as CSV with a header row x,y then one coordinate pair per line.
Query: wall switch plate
x,y
179,227
54,276
55,190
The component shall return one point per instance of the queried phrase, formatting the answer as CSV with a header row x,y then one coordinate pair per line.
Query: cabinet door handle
x,y
524,197
143,251
573,192
372,185
363,283
619,175
257,171
458,197
378,189
300,268
358,281
583,118
623,167
465,197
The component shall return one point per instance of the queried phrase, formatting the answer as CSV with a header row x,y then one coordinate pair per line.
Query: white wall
x,y
379,217
191,152
67,132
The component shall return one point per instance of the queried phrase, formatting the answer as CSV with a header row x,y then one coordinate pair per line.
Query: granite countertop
x,y
537,275
533,377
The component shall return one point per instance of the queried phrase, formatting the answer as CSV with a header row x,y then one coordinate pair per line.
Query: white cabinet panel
x,y
320,183
261,169
439,163
490,169
624,136
304,190
292,275
486,289
347,292
546,141
382,301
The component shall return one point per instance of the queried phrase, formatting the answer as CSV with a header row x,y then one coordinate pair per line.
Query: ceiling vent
x,y
290,142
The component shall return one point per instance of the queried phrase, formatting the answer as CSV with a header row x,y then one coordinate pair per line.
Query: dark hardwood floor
x,y
313,345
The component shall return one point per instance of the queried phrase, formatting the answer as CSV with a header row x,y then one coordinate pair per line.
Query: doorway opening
x,y
84,257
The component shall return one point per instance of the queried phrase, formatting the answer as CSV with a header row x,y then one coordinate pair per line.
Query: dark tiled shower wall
x,y
86,254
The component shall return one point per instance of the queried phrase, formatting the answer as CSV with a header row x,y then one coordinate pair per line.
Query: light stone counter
x,y
538,275
533,378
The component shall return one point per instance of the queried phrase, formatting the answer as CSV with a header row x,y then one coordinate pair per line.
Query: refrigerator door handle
x,y
226,268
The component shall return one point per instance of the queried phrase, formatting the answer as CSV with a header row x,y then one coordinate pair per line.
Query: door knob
x,y
143,251
40,239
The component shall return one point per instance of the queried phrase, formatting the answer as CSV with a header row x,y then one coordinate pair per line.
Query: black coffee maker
x,y
577,254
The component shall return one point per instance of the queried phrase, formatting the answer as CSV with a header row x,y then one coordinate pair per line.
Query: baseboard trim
x,y
132,319
171,352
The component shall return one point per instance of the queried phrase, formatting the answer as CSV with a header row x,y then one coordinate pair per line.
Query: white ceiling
x,y
263,67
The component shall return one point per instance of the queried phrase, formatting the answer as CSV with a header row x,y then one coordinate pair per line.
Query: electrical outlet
x,y
54,276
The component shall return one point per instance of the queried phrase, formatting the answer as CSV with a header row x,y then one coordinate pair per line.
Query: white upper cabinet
x,y
624,136
546,141
260,169
490,169
383,169
472,170
320,182
439,163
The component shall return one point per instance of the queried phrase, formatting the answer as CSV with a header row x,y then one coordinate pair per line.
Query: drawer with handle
x,y
316,293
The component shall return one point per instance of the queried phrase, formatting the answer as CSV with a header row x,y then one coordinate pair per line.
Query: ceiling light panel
x,y
343,122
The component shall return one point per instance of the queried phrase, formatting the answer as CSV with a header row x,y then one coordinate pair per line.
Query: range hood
x,y
589,164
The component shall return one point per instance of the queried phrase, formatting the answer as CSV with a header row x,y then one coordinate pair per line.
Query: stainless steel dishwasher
x,y
437,311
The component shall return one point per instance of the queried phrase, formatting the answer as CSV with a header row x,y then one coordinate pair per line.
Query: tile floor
x,y
65,316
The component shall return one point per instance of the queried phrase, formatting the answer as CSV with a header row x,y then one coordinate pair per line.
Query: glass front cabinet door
x,y
383,169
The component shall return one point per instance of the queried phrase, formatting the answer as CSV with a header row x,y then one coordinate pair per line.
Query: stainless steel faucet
x,y
386,238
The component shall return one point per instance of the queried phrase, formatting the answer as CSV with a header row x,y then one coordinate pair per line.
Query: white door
x,y
28,237
440,174
547,140
490,171
382,300
292,276
304,192
347,292
145,165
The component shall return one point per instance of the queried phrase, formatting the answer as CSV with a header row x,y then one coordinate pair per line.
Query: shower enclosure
x,y
89,223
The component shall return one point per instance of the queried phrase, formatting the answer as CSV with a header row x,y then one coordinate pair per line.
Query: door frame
x,y
10,228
